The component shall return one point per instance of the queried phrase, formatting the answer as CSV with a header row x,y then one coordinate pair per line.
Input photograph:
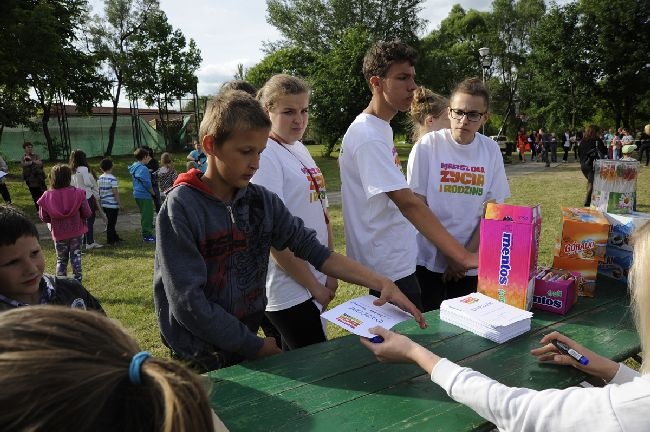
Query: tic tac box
x,y
584,234
556,296
618,254
508,253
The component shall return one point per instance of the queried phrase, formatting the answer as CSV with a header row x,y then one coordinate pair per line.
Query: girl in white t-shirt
x,y
296,291
455,171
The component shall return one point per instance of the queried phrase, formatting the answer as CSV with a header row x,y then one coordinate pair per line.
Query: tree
x,y
617,56
335,34
293,61
163,66
318,25
52,61
508,37
340,91
111,37
449,53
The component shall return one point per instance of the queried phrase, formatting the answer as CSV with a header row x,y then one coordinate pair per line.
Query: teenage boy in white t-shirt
x,y
377,202
455,171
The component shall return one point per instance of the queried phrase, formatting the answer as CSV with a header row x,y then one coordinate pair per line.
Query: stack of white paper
x,y
486,317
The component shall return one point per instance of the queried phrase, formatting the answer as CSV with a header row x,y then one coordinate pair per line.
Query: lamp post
x,y
486,62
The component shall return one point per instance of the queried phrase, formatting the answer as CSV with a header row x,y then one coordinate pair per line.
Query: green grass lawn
x,y
121,277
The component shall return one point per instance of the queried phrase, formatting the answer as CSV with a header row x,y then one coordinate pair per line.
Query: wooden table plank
x,y
338,383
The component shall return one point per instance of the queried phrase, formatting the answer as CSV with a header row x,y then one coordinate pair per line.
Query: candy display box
x,y
614,185
618,255
508,253
556,296
582,245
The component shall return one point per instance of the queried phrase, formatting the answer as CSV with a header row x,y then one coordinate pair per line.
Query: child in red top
x,y
522,143
65,208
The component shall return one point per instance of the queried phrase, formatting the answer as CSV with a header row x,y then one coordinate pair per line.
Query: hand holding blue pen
x,y
565,349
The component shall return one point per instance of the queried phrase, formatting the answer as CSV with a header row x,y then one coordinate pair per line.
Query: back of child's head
x,y
149,150
427,103
140,153
60,176
473,87
280,85
382,55
14,224
239,85
77,159
64,369
106,165
639,278
230,112
166,159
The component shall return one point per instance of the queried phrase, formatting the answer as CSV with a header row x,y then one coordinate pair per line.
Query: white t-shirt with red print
x,y
376,233
456,180
283,170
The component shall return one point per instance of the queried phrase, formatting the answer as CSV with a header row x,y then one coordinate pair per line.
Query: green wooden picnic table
x,y
339,386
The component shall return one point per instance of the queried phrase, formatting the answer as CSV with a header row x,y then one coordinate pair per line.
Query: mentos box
x,y
618,255
584,235
555,291
508,253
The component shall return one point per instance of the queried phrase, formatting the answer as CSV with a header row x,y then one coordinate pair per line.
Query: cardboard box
x,y
587,268
584,235
614,188
508,253
555,296
621,228
618,255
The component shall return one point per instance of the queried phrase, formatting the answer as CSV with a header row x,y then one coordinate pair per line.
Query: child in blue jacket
x,y
143,193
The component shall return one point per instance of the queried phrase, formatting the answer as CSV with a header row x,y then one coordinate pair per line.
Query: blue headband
x,y
136,365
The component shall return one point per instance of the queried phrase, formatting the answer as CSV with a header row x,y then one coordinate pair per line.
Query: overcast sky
x,y
230,32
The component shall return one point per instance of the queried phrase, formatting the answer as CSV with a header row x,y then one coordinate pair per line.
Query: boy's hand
x,y
269,348
391,293
469,262
322,295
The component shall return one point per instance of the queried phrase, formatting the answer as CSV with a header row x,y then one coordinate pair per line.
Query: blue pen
x,y
564,348
376,339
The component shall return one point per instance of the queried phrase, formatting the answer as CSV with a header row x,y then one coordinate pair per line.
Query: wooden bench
x,y
339,386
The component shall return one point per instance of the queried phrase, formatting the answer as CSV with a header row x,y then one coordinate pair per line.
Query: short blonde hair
x,y
231,111
68,369
280,85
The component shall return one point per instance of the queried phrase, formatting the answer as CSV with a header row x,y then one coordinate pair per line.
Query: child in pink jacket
x,y
66,209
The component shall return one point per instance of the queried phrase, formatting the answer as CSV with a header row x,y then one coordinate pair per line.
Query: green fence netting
x,y
89,134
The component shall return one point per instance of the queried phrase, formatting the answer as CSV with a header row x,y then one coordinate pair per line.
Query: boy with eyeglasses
x,y
455,171
378,204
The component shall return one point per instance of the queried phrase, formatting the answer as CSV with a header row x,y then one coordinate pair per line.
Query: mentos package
x,y
618,255
555,290
508,253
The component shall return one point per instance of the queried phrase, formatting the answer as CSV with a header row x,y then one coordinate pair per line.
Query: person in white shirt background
x,y
621,405
296,291
380,212
455,171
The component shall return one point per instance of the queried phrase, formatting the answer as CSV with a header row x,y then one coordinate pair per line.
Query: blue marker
x,y
376,339
564,348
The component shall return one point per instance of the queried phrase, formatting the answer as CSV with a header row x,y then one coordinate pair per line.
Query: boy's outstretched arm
x,y
421,216
344,268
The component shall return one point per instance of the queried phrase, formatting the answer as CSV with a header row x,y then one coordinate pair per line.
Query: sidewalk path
x,y
128,222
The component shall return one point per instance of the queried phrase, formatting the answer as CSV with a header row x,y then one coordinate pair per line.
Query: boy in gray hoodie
x,y
214,233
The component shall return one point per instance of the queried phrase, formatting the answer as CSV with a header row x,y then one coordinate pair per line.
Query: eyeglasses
x,y
472,116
